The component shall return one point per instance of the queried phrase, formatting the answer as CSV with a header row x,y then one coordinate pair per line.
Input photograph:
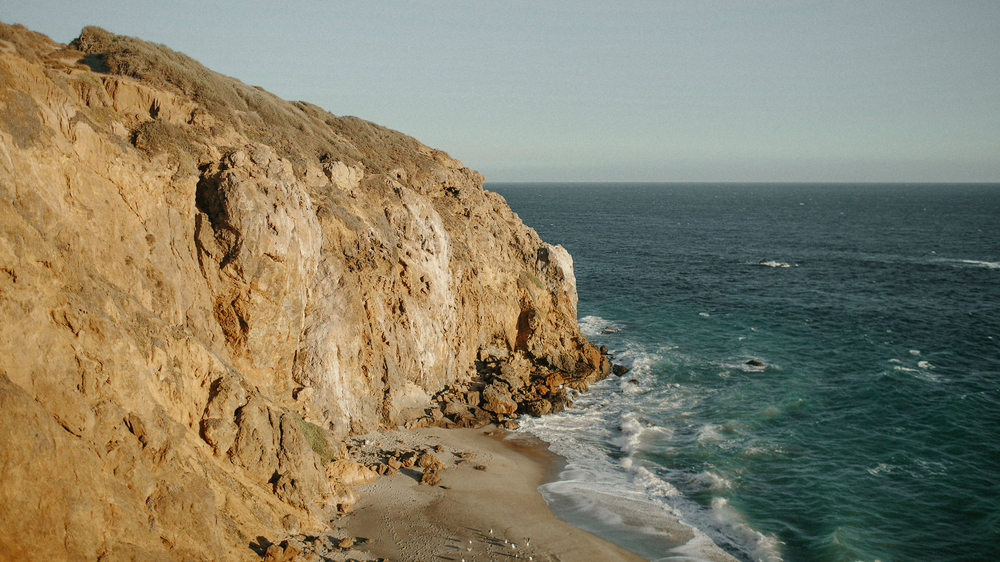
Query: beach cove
x,y
485,507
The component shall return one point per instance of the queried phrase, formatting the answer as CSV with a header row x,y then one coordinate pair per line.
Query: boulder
x,y
497,399
430,477
430,461
350,472
276,553
290,523
515,372
341,495
537,408
560,401
555,380
408,459
456,410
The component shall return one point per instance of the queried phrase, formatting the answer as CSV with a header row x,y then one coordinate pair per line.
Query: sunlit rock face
x,y
204,287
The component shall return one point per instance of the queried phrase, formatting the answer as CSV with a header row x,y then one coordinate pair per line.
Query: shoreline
x,y
477,511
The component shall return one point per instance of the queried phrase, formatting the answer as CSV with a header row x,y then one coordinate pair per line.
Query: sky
x,y
666,91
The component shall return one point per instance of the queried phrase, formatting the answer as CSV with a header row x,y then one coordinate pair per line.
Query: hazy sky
x,y
767,90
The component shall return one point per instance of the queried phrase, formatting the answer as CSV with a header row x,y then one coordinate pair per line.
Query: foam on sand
x,y
472,514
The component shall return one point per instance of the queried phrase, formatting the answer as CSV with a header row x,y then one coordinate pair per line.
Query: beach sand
x,y
476,512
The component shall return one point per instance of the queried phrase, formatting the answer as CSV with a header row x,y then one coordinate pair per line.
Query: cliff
x,y
205,290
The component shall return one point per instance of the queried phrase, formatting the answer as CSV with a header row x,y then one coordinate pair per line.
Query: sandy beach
x,y
485,507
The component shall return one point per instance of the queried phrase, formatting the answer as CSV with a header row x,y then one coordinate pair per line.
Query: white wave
x,y
592,326
766,548
914,352
704,314
648,481
928,376
616,415
923,373
715,481
631,436
987,264
882,468
651,528
772,263
709,432
961,263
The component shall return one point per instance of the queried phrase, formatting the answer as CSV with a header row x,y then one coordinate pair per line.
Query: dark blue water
x,y
872,430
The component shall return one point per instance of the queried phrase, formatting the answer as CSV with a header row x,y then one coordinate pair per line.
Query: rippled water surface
x,y
869,432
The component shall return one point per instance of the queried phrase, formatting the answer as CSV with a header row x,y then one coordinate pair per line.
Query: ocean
x,y
868,425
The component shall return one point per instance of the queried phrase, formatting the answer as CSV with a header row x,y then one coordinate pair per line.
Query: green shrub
x,y
317,438
158,136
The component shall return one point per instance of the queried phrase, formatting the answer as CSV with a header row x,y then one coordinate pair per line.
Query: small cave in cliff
x,y
523,329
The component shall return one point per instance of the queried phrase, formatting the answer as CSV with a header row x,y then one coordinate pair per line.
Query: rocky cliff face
x,y
204,289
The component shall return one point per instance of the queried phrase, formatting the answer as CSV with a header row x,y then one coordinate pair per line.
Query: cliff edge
x,y
205,289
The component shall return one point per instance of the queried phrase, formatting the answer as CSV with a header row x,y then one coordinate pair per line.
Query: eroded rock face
x,y
202,287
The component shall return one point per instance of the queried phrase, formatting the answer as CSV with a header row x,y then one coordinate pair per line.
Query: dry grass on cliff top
x,y
26,43
295,130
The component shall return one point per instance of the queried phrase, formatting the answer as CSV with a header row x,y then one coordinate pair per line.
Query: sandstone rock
x,y
554,380
456,410
341,495
619,370
605,367
430,477
430,461
276,553
475,418
515,372
560,401
290,523
408,459
497,399
170,287
352,473
537,408
255,448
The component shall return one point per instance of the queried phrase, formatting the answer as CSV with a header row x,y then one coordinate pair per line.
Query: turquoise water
x,y
871,430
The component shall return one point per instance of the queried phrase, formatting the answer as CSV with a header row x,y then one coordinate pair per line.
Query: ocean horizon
x,y
814,368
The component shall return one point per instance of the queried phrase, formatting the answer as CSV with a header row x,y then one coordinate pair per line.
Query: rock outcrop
x,y
205,288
